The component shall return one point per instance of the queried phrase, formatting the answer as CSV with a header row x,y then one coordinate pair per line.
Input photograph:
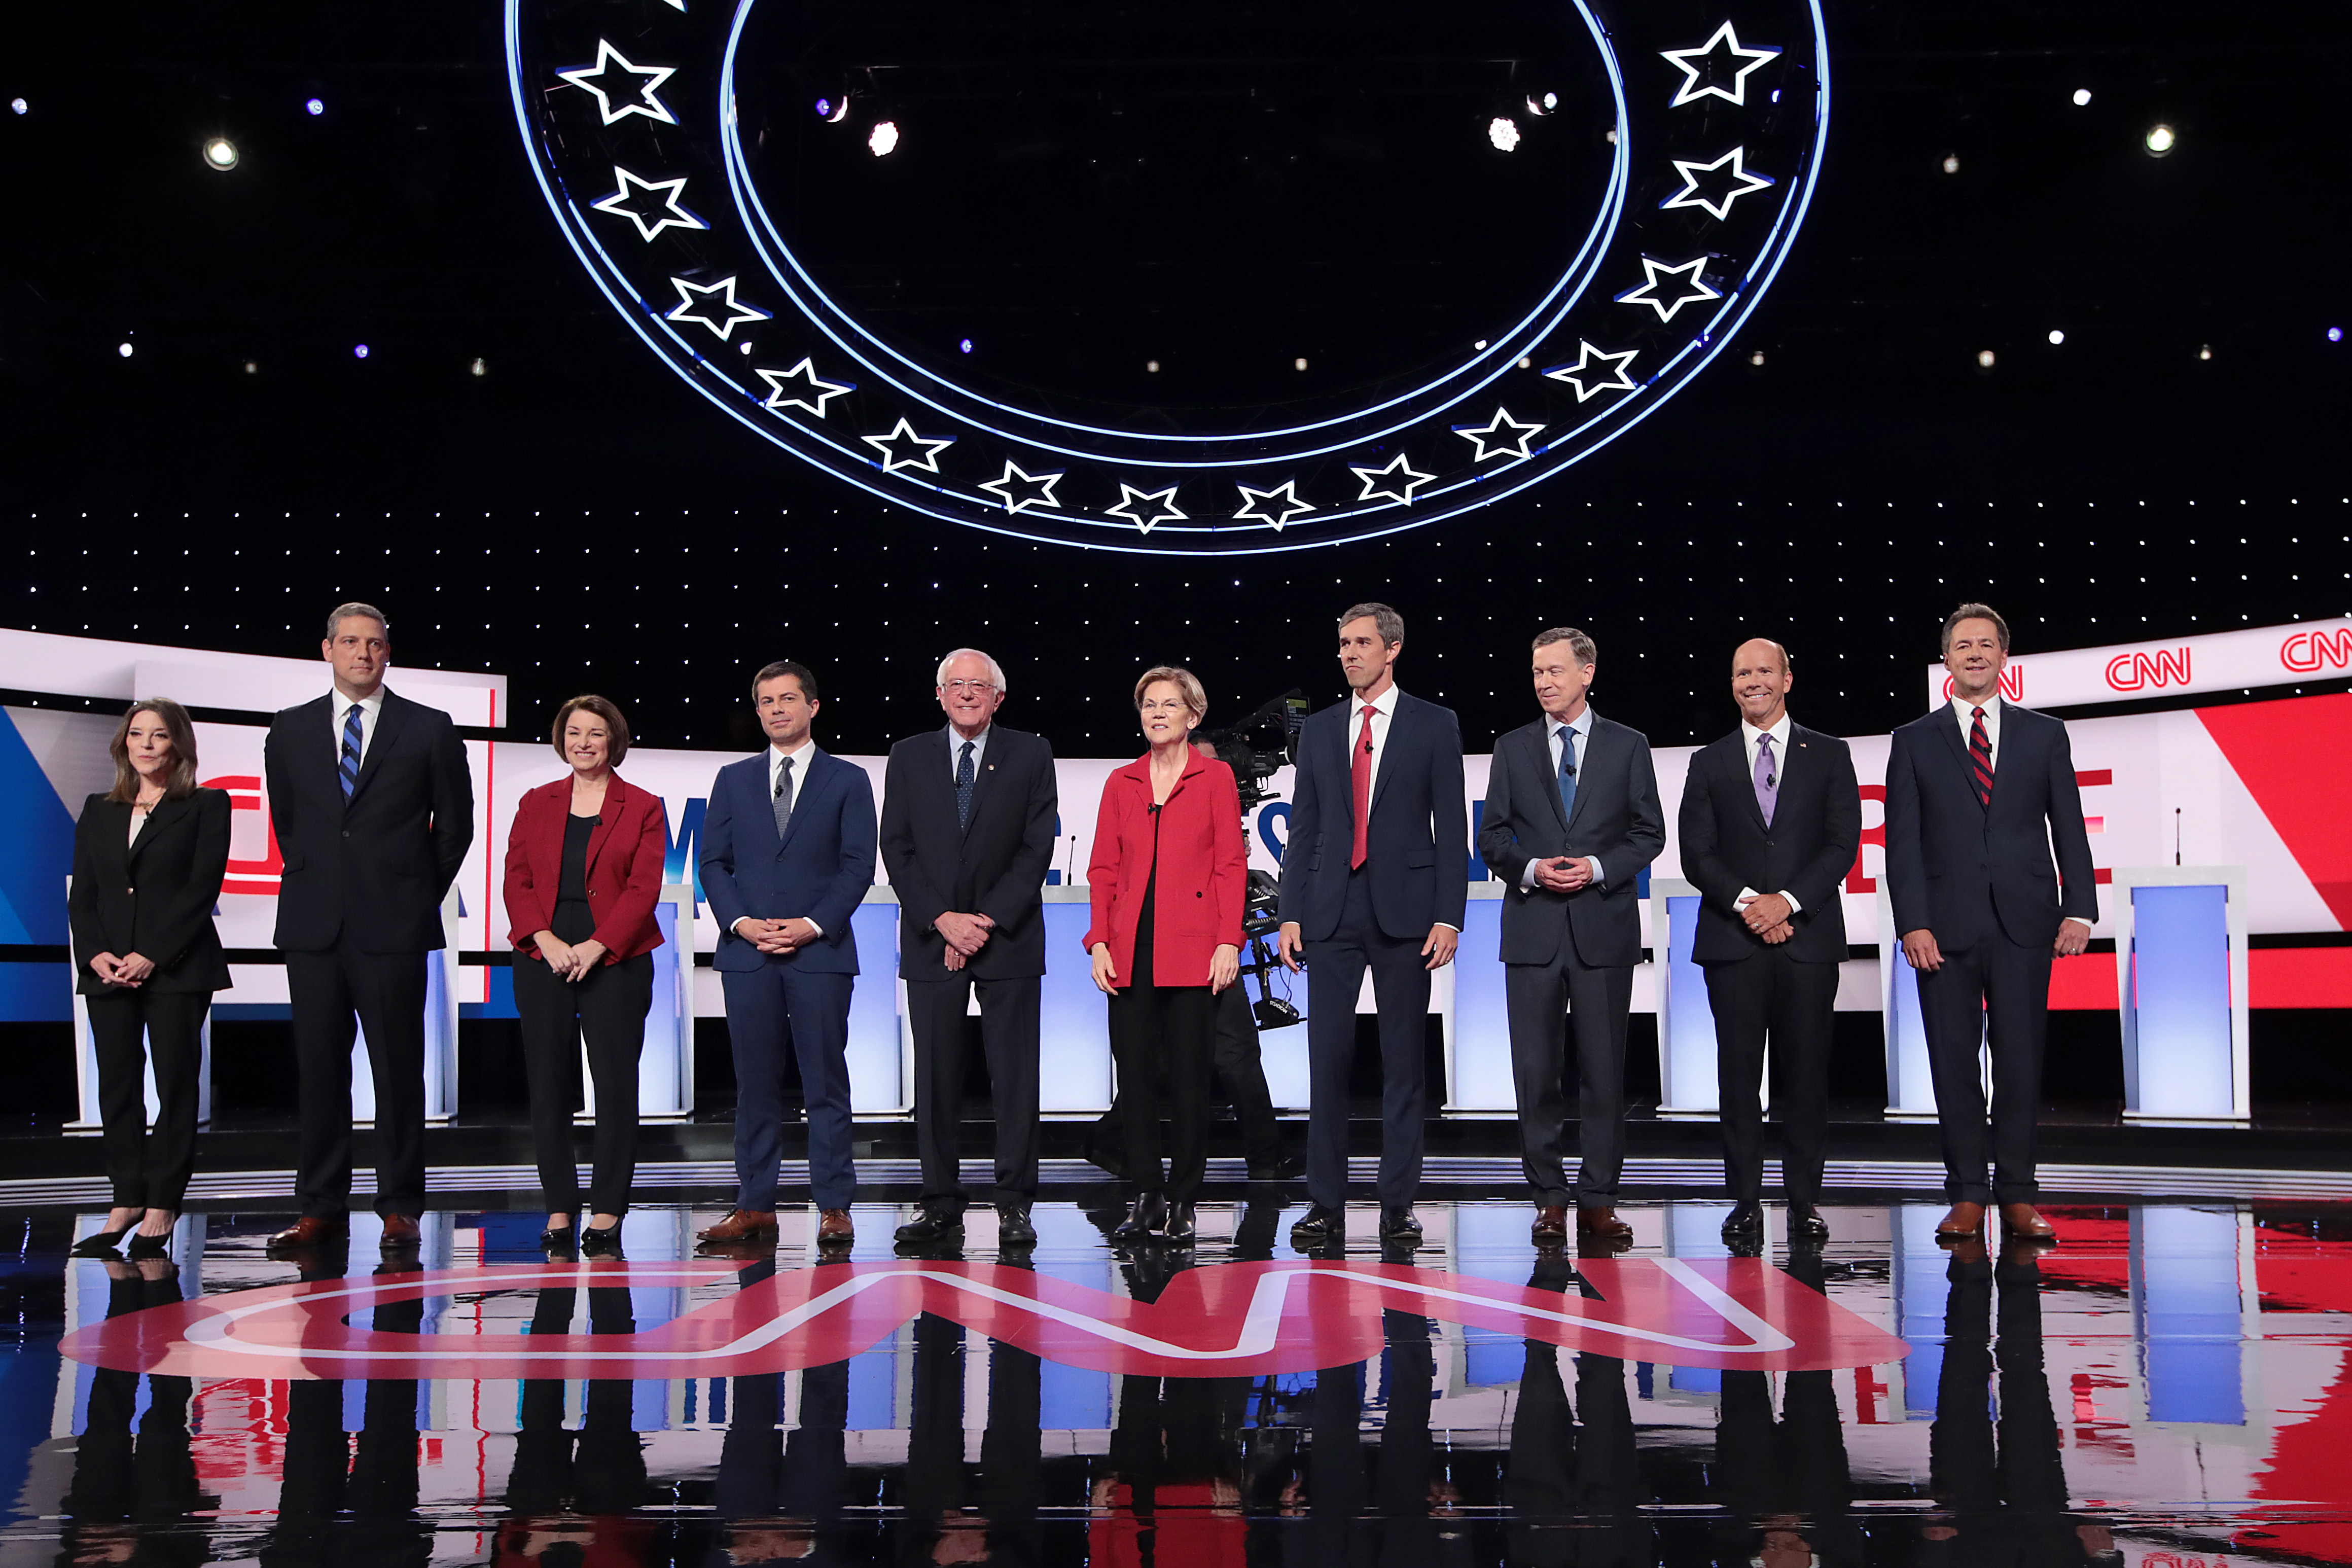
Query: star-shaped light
x,y
652,204
1697,64
902,449
1666,305
714,305
1287,505
802,388
1739,183
1586,376
637,95
1501,437
1159,506
1396,482
1020,490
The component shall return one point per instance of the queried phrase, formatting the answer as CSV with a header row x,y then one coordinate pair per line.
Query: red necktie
x,y
1980,758
1360,773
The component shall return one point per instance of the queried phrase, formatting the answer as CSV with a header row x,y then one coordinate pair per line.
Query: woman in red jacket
x,y
1168,874
583,873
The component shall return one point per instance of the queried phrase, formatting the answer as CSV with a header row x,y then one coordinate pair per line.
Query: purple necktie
x,y
1767,779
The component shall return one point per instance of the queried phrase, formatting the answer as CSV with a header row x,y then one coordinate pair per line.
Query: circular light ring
x,y
1717,143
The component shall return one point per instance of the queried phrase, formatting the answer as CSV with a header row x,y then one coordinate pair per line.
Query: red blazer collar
x,y
1140,769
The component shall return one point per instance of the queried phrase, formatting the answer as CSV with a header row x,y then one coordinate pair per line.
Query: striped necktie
x,y
349,764
1980,758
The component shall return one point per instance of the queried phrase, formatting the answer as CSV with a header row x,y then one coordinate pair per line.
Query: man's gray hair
x,y
341,613
1387,622
995,670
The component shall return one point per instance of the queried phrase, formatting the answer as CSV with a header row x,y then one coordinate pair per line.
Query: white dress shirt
x,y
1553,729
956,743
370,709
802,758
1752,739
1965,711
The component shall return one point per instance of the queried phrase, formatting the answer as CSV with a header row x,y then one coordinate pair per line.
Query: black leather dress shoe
x,y
1281,1168
1146,1218
1318,1227
1179,1227
937,1222
1398,1225
1806,1225
1014,1226
1745,1221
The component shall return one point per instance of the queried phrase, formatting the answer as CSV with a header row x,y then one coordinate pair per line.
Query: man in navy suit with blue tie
x,y
1375,877
787,855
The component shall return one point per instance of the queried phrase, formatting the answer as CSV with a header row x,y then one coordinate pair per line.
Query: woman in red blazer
x,y
1168,874
583,873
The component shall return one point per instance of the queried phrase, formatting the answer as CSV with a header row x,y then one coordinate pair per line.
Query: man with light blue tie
x,y
1571,818
787,856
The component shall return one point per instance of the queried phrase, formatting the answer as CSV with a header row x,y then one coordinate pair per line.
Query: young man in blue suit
x,y
1978,794
1374,876
787,854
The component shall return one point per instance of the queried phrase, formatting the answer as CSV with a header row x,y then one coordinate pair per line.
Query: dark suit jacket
x,y
1198,880
626,849
383,859
154,897
1418,830
1954,867
1618,819
818,871
995,867
1806,853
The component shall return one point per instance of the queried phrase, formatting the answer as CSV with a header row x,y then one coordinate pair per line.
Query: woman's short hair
x,y
182,778
1187,685
617,727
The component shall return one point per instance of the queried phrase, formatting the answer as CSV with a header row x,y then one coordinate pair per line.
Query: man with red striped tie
x,y
1978,794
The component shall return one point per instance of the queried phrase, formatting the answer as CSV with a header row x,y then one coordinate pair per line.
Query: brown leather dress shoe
x,y
834,1229
2024,1222
1602,1223
741,1224
400,1232
313,1230
1964,1220
1551,1226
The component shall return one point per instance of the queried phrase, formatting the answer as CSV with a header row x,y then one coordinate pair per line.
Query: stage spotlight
x,y
2205,351
2056,337
1984,359
1951,164
884,140
359,350
20,106
314,107
1504,133
122,349
2160,140
479,367
220,153
2082,96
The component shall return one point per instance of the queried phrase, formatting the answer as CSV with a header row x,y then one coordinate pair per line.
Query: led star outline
x,y
671,215
1015,475
652,108
1291,505
903,435
1620,378
1691,91
803,374
1128,495
1743,183
1413,479
1517,447
1657,269
694,301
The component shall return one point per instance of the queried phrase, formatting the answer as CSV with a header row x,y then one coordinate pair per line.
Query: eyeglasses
x,y
968,688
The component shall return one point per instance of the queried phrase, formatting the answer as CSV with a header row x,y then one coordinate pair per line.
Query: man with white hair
x,y
968,824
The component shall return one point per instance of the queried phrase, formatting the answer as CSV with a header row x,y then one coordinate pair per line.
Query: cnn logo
x,y
2139,671
2306,652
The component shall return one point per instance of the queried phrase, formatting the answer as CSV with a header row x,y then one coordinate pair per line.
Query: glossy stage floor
x,y
2169,1386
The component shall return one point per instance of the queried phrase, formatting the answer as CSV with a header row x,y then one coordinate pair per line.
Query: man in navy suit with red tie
x,y
1374,876
787,856
1978,794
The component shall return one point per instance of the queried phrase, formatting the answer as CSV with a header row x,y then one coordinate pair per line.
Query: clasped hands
x,y
126,972
966,935
569,960
775,937
1768,916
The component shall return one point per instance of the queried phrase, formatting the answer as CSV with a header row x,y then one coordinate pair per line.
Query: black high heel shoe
x,y
599,1241
100,1243
562,1245
1145,1219
143,1246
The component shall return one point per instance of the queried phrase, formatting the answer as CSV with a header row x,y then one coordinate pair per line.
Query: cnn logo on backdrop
x,y
2306,653
2139,670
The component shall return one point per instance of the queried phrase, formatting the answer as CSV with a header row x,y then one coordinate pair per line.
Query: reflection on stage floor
x,y
2170,1384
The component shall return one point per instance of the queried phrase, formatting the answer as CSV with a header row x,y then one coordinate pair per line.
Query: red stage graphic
x,y
1225,1319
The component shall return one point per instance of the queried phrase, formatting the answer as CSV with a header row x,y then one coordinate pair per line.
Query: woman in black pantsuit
x,y
584,861
149,856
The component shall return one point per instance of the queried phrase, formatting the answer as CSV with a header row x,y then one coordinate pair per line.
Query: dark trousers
x,y
1334,978
148,1170
1170,1030
606,1009
770,1011
938,1012
1544,1002
1997,990
1769,993
384,995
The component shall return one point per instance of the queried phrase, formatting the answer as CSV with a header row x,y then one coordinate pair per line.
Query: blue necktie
x,y
350,763
1567,772
963,787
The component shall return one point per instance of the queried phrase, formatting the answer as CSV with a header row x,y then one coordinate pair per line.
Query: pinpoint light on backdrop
x,y
220,153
